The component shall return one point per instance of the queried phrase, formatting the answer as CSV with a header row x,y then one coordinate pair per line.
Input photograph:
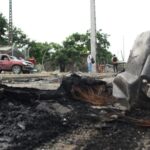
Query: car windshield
x,y
14,58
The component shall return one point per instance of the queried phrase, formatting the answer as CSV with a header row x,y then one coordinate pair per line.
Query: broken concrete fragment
x,y
44,107
121,106
54,107
128,85
61,109
21,125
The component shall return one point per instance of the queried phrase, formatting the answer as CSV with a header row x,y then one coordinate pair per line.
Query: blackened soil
x,y
27,126
122,135
28,123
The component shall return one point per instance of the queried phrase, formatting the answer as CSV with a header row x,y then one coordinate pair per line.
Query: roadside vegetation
x,y
71,53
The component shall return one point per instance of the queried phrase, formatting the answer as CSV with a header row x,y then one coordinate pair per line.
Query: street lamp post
x,y
93,33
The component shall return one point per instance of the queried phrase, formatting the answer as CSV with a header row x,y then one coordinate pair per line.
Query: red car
x,y
16,66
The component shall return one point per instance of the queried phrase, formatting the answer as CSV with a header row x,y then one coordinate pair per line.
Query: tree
x,y
37,50
103,55
3,30
60,59
76,46
102,45
20,38
72,54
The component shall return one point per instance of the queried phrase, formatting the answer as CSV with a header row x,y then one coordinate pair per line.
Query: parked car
x,y
23,60
8,63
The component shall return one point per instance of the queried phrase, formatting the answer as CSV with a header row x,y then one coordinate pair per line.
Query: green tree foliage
x,y
72,53
19,38
75,47
59,58
37,50
3,30
103,55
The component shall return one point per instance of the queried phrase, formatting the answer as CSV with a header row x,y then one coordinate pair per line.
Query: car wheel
x,y
16,69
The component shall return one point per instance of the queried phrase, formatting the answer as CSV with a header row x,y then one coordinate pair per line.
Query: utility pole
x,y
93,34
10,26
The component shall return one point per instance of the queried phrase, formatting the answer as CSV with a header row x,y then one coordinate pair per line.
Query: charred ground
x,y
51,119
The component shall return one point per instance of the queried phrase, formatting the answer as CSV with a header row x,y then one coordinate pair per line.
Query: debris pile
x,y
94,91
37,119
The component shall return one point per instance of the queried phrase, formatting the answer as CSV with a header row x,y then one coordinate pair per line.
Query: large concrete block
x,y
127,85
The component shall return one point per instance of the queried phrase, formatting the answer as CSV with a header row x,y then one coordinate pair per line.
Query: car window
x,y
5,58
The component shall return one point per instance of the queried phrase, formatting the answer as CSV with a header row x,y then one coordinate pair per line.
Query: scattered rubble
x,y
79,112
66,118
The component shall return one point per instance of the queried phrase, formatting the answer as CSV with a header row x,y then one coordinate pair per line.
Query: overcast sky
x,y
54,20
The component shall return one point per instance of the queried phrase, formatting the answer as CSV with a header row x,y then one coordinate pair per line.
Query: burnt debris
x,y
31,117
87,89
94,91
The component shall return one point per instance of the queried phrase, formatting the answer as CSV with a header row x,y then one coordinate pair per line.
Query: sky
x,y
54,20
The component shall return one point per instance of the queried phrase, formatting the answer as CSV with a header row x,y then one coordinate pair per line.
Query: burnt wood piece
x,y
75,80
74,86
